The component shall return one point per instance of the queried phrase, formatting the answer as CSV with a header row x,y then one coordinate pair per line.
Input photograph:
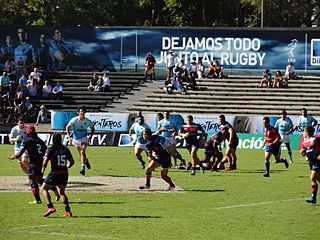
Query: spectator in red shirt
x,y
272,144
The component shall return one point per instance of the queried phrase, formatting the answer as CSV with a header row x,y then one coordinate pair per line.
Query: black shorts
x,y
192,145
234,143
57,179
164,160
34,171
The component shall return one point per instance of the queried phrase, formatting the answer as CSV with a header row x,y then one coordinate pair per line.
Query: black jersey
x,y
36,149
228,126
215,140
58,156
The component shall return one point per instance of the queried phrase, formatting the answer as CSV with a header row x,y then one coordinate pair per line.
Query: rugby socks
x,y
83,166
35,191
175,161
170,182
50,205
67,208
314,190
179,156
267,166
141,160
290,155
148,179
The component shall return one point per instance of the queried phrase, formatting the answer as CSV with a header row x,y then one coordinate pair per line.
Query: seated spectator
x,y
191,83
6,101
43,115
278,80
266,78
177,79
168,87
23,80
219,69
5,83
31,113
200,70
98,87
183,71
35,74
290,72
46,90
22,92
93,82
57,91
106,82
212,71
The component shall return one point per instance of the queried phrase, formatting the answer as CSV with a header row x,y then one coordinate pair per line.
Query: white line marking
x,y
38,226
259,203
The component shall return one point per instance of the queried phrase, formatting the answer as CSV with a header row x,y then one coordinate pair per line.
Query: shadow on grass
x,y
72,184
204,190
121,216
83,202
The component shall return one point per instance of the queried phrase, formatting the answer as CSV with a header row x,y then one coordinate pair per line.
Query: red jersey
x,y
271,134
311,146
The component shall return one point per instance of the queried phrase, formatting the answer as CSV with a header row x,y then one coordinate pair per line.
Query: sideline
x,y
258,203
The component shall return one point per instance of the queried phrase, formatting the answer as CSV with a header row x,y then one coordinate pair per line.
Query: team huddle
x,y
160,147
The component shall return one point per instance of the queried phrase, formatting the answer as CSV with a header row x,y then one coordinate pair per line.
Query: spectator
x,y
5,82
98,87
178,79
290,72
43,115
168,87
9,66
172,60
93,82
43,53
36,74
23,80
6,51
278,80
57,91
32,88
212,71
184,71
106,82
266,78
219,69
200,69
193,74
46,90
149,66
31,113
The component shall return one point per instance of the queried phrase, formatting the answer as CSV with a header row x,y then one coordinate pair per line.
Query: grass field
x,y
224,205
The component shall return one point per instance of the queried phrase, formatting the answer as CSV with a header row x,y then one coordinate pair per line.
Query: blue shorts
x,y
34,171
275,149
57,179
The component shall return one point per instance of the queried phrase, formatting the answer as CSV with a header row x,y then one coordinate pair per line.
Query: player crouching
x,y
157,156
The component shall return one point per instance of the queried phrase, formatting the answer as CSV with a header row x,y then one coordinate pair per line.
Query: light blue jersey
x,y
168,125
138,130
283,126
26,52
306,121
16,131
80,127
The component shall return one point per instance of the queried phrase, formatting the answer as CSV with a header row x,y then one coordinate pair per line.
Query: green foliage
x,y
220,205
227,13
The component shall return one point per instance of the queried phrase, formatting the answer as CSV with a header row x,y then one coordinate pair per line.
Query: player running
x,y
311,149
137,128
272,144
59,156
158,156
284,126
190,133
80,138
36,149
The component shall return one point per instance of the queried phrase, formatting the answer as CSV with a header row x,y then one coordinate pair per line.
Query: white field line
x,y
258,203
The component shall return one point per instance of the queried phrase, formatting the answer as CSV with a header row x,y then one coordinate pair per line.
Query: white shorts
x,y
25,155
79,142
140,146
170,141
285,138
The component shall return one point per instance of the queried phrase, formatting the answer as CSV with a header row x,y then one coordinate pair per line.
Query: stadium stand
x,y
238,95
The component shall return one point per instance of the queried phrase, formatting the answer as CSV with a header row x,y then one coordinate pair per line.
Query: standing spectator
x,y
46,90
79,125
193,74
24,51
157,156
266,78
63,54
5,83
16,136
172,60
311,146
190,133
43,115
36,75
58,175
149,66
200,69
272,144
137,128
278,80
305,120
106,82
57,91
284,126
233,141
290,71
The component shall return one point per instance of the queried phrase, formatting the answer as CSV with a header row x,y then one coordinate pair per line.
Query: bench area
x,y
237,95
